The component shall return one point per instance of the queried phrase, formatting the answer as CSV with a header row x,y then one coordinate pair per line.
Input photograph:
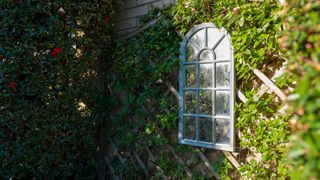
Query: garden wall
x,y
130,11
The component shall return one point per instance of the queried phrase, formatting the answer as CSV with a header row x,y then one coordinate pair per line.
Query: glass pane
x,y
222,75
190,128
213,36
190,76
190,102
205,133
222,103
199,38
206,75
207,55
223,51
222,131
205,102
191,53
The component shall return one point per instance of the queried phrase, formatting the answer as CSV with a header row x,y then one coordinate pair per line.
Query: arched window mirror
x,y
206,82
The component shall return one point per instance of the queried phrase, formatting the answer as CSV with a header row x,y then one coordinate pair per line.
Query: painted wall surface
x,y
131,10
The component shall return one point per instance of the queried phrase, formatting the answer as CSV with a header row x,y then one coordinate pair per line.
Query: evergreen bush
x,y
50,101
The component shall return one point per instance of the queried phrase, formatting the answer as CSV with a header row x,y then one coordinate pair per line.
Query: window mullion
x,y
198,97
206,37
213,102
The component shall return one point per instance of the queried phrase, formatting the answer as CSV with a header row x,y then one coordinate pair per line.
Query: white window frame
x,y
182,88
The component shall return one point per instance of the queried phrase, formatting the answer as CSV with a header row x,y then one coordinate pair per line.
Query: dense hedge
x,y
51,104
302,48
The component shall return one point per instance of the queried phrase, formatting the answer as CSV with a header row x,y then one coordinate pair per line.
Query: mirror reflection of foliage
x,y
205,102
302,48
191,102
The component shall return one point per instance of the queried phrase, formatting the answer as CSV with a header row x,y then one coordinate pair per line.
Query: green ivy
x,y
254,28
266,135
142,62
222,166
147,58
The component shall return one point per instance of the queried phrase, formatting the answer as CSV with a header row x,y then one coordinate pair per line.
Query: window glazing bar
x,y
199,115
221,60
222,89
207,89
194,44
217,44
198,97
195,89
202,62
213,95
206,37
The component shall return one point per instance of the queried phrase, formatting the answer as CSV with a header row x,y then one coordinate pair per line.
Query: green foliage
x,y
301,41
223,167
145,114
266,136
254,28
150,56
171,168
50,102
50,54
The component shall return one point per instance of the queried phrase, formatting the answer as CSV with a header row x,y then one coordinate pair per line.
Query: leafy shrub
x,y
50,101
302,48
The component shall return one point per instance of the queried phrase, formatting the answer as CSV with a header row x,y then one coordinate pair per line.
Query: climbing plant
x,y
141,65
144,61
51,105
61,78
254,28
302,49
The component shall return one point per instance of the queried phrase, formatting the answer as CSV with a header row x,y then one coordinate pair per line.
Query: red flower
x,y
106,19
12,86
55,52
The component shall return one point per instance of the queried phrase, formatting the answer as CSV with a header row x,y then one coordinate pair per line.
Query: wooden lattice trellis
x,y
149,163
268,85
